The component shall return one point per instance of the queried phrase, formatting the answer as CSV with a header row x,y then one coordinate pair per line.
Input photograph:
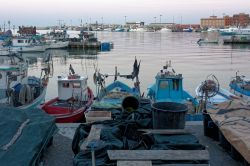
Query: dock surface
x,y
60,153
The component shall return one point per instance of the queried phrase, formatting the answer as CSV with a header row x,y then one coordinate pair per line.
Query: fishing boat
x,y
26,44
116,99
54,44
74,97
240,86
17,88
168,87
112,96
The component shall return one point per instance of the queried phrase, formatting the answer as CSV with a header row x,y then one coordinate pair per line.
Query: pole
x,y
93,157
125,19
155,24
102,22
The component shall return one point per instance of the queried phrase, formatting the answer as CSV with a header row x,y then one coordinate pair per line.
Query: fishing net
x,y
23,135
122,134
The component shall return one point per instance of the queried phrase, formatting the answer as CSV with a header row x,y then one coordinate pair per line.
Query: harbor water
x,y
153,49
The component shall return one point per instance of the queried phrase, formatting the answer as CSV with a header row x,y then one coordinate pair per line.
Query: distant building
x,y
27,30
240,19
212,21
169,25
134,24
228,21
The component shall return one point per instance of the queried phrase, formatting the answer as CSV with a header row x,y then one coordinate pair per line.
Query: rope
x,y
15,137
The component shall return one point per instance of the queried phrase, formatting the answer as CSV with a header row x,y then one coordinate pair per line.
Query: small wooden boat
x,y
207,41
240,86
74,97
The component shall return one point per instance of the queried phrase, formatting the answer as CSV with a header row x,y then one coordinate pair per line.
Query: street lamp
x,y
125,19
155,19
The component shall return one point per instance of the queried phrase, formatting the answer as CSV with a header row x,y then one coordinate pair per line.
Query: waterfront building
x,y
212,21
241,19
238,20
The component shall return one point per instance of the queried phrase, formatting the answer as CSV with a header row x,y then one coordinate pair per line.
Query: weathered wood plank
x,y
166,131
184,164
94,135
134,163
158,155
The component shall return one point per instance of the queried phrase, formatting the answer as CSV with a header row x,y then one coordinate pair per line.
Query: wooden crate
x,y
93,116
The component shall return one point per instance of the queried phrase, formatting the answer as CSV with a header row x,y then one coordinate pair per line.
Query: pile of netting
x,y
123,133
24,134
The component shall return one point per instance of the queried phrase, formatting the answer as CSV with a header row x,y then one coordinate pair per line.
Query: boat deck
x,y
60,152
65,104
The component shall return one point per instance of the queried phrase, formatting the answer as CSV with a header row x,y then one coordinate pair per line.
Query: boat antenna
x,y
71,70
136,69
135,74
116,74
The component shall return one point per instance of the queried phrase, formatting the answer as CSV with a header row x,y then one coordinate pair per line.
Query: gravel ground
x,y
60,153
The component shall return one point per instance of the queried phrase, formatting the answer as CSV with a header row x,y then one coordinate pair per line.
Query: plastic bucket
x,y
169,115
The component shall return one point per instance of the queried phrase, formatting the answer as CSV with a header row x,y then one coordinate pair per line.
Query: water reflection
x,y
240,46
83,51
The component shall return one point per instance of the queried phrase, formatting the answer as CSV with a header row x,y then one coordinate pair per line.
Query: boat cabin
x,y
12,72
24,41
72,87
168,86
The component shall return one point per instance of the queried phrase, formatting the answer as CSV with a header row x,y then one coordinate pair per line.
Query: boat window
x,y
1,76
163,84
66,85
20,41
13,78
76,85
175,84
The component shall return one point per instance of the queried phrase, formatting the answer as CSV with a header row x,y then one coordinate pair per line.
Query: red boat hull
x,y
67,114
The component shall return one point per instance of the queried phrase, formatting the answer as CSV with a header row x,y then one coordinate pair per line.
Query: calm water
x,y
153,49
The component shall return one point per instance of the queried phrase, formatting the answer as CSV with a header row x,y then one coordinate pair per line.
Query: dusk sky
x,y
48,12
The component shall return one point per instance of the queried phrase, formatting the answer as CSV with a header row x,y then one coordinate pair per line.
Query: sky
x,y
71,12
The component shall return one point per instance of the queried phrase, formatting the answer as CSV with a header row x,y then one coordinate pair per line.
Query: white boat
x,y
53,44
212,30
165,30
26,44
17,88
235,35
221,95
187,30
137,30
